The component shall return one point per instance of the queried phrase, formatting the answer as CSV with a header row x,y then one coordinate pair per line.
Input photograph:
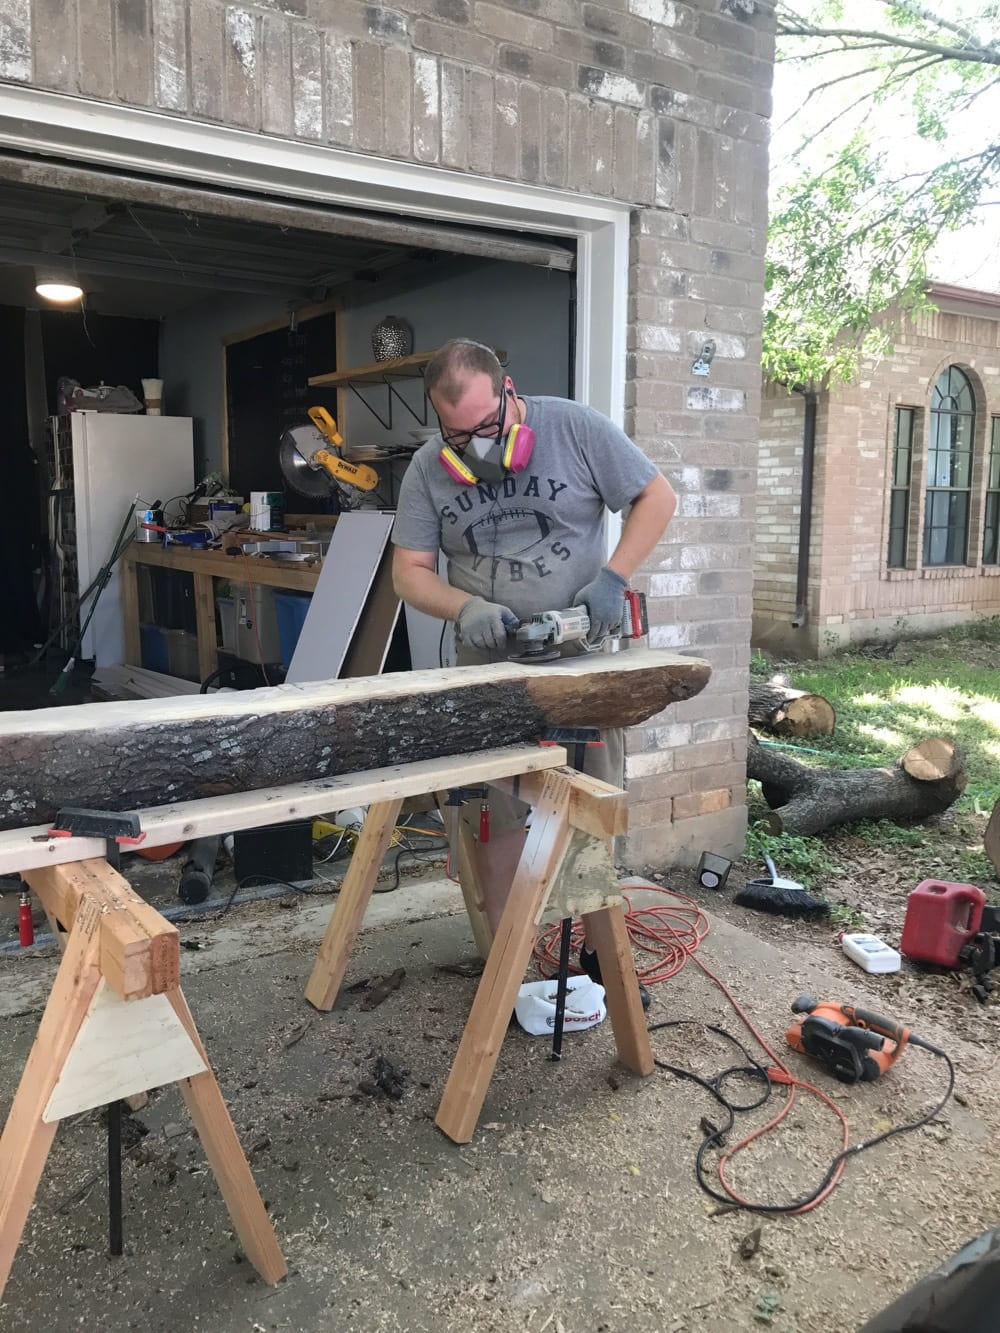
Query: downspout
x,y
801,616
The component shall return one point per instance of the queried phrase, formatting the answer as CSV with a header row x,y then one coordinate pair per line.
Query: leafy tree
x,y
852,229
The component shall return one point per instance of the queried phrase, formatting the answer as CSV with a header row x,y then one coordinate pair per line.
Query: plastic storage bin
x,y
154,649
226,607
256,623
182,653
292,608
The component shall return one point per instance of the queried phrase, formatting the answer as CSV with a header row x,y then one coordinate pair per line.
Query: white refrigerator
x,y
116,456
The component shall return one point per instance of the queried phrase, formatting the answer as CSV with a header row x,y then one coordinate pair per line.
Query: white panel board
x,y
122,1048
344,584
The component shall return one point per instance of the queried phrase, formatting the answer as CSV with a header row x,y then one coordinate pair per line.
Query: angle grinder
x,y
544,633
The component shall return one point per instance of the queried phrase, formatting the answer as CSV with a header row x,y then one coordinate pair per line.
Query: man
x,y
513,491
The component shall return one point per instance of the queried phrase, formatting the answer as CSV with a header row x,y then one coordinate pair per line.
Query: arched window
x,y
949,470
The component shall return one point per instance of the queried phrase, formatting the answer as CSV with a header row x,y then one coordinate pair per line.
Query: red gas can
x,y
941,918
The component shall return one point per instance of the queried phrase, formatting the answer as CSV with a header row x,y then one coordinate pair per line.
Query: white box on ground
x,y
870,953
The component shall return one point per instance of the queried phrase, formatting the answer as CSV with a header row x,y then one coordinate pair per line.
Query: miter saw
x,y
313,464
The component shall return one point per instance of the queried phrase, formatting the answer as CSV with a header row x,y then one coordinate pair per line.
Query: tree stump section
x,y
991,838
151,752
926,780
787,712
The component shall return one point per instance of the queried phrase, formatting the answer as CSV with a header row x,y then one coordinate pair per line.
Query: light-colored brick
x,y
277,116
55,62
307,81
530,119
701,803
170,55
555,136
369,97
242,67
15,41
206,57
426,109
339,99
454,116
397,75
134,51
481,121
506,132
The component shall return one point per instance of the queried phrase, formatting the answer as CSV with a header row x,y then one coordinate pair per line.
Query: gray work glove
x,y
604,598
483,625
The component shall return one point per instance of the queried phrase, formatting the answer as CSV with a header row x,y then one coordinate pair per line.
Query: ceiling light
x,y
58,287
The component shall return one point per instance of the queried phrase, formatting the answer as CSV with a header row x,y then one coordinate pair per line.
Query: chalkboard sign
x,y
267,391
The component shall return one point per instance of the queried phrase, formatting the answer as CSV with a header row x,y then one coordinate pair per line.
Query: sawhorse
x,y
117,1024
565,870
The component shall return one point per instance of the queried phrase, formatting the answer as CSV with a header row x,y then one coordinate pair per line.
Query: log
x,y
787,712
991,838
149,752
927,779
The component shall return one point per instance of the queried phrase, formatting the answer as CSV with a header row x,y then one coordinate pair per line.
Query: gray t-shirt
x,y
533,540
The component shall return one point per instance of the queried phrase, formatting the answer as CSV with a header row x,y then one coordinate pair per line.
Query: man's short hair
x,y
447,373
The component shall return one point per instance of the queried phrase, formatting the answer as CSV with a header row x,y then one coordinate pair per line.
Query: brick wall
x,y
659,103
853,594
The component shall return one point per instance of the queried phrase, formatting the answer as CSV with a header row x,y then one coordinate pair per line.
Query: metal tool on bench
x,y
544,633
312,462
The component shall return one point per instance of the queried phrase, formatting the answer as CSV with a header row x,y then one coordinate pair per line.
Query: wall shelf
x,y
401,367
384,373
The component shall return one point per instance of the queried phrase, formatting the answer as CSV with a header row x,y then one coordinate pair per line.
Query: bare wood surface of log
x,y
991,838
925,781
787,712
150,752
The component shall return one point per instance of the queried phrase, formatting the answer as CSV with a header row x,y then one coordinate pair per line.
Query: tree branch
x,y
938,21
978,55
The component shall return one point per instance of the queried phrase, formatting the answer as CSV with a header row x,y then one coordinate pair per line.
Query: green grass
x,y
884,707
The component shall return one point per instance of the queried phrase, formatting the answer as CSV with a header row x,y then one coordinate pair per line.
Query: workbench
x,y
205,566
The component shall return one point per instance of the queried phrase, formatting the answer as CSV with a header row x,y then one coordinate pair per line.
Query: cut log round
x,y
991,839
149,752
925,781
787,712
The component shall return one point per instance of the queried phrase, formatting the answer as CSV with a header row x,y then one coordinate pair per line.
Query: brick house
x,y
906,490
630,132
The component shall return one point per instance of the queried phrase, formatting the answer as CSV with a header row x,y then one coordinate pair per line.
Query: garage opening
x,y
211,322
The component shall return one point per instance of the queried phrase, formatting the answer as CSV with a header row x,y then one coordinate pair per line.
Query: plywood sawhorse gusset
x,y
565,870
116,1024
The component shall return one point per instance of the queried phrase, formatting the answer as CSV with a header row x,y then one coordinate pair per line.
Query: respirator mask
x,y
469,458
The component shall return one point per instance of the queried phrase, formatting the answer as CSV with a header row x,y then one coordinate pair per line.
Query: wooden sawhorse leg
x,y
116,1024
566,870
352,902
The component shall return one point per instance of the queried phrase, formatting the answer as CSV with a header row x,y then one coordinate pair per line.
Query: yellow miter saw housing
x,y
312,468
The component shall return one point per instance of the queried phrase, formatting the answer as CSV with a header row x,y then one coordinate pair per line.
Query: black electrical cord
x,y
758,1071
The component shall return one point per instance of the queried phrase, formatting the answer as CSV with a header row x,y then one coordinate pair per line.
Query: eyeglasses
x,y
460,439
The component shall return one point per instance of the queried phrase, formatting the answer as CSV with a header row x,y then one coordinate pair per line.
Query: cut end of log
x,y
788,712
991,838
934,760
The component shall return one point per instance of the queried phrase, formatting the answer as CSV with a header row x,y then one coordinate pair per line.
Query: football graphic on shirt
x,y
507,532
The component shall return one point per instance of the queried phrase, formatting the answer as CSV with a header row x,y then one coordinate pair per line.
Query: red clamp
x,y
25,926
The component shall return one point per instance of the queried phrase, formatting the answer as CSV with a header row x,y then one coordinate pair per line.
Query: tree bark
x,y
787,712
926,780
991,838
147,752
